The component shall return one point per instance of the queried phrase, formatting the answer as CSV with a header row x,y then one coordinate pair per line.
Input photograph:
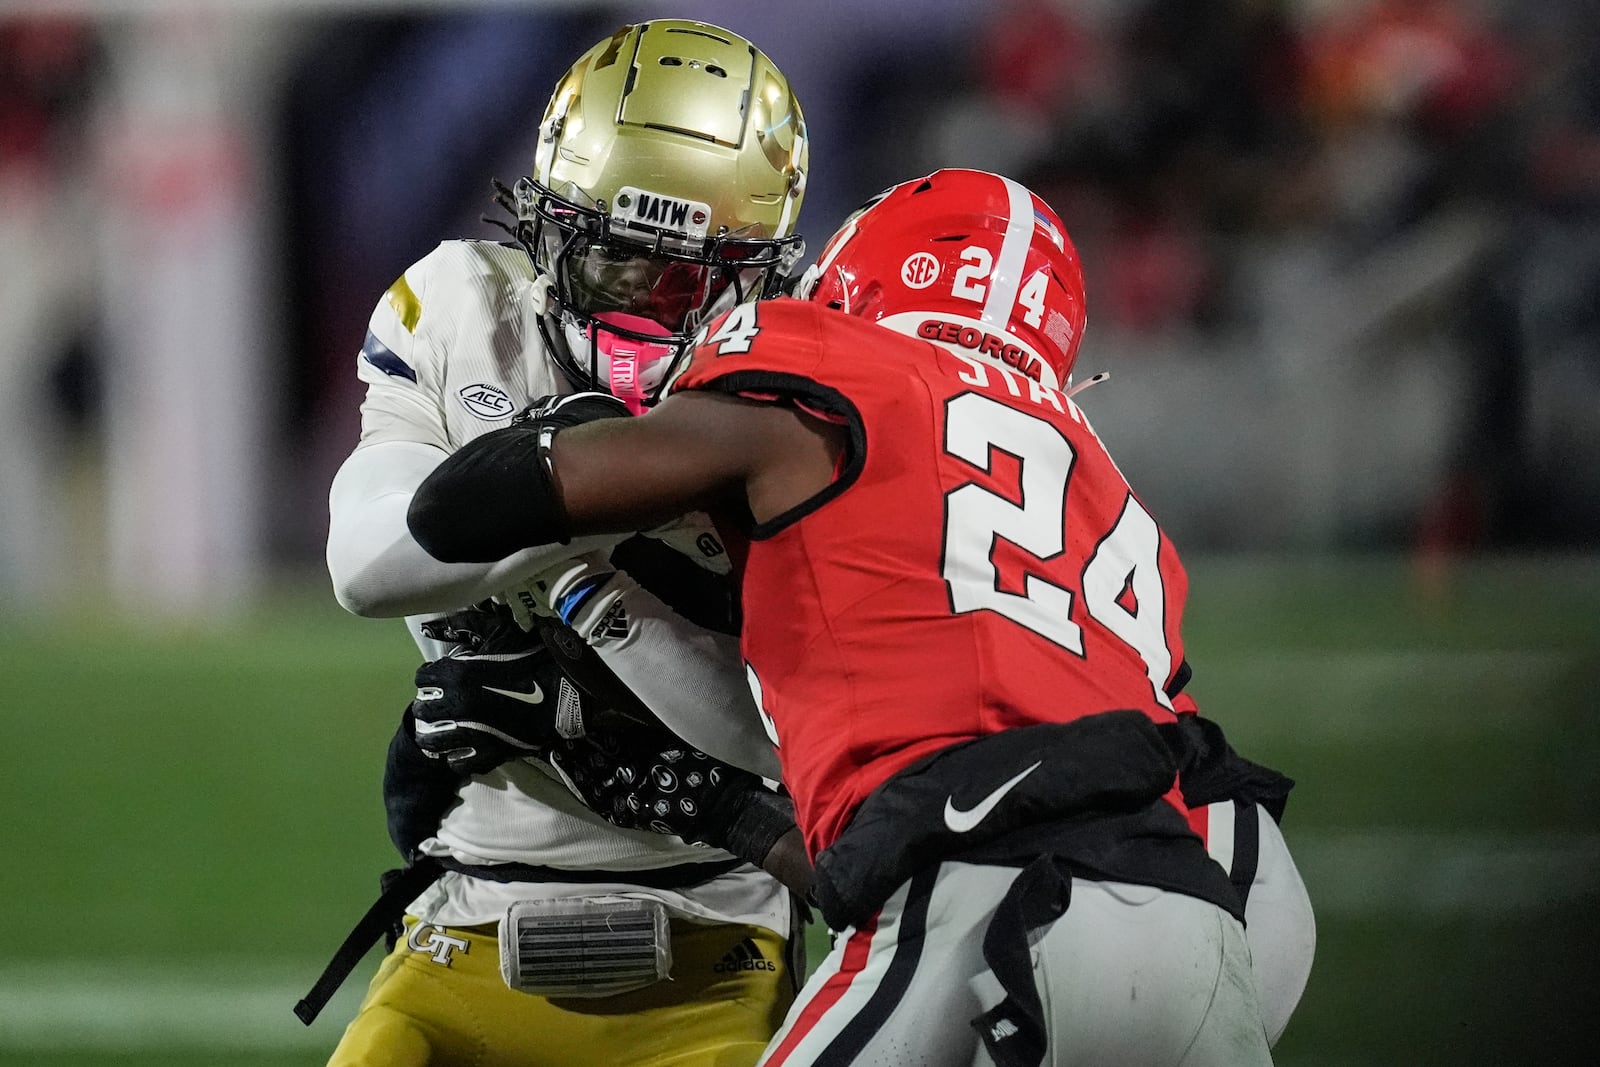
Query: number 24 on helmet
x,y
965,258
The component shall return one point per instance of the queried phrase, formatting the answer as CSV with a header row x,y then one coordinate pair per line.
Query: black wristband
x,y
756,819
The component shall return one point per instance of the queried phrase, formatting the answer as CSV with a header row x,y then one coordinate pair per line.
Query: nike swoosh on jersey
x,y
962,821
535,697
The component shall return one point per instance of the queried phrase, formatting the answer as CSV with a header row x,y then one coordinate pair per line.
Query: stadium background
x,y
1344,267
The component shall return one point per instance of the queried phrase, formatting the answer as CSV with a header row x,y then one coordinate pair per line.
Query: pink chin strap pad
x,y
627,360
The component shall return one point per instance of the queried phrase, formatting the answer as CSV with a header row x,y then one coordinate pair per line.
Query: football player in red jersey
x,y
961,625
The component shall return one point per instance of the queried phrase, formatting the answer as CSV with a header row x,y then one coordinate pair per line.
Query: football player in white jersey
x,y
668,175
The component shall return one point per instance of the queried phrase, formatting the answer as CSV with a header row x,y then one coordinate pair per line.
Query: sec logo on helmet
x,y
920,270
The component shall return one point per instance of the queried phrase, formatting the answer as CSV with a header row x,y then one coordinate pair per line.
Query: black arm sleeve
x,y
492,497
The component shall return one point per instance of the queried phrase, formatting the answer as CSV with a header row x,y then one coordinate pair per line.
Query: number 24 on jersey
x,y
975,517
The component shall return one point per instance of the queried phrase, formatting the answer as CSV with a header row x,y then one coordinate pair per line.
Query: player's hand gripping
x,y
574,409
646,778
499,696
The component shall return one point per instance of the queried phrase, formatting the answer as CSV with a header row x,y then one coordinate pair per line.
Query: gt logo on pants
x,y
434,941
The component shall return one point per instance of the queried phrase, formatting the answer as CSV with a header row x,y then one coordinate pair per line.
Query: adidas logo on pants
x,y
745,956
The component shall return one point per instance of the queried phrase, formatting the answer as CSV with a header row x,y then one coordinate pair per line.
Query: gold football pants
x,y
447,1006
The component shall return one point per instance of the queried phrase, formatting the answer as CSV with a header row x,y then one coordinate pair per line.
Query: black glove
x,y
647,779
498,696
478,711
487,627
417,791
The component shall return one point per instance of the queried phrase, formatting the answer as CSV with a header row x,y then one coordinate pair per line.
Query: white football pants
x,y
1129,975
1277,911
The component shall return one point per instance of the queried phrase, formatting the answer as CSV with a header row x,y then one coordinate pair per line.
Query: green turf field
x,y
192,820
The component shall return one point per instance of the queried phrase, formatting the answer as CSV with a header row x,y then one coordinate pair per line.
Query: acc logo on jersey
x,y
920,270
485,401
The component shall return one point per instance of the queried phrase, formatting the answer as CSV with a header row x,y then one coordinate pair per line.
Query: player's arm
x,y
645,779
691,678
696,451
377,567
720,450
788,863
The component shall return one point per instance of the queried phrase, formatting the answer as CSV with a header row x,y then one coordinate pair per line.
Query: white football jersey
x,y
454,351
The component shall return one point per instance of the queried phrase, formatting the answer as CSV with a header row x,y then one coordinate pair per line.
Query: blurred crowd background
x,y
1343,255
1343,264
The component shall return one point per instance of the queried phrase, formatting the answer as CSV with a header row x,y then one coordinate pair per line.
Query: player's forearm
x,y
379,570
788,863
692,679
758,826
538,483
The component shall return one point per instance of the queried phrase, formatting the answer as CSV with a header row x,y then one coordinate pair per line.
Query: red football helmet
x,y
965,258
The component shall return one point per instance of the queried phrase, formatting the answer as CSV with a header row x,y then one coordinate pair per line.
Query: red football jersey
x,y
979,563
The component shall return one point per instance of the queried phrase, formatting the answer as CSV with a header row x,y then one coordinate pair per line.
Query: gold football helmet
x,y
669,172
